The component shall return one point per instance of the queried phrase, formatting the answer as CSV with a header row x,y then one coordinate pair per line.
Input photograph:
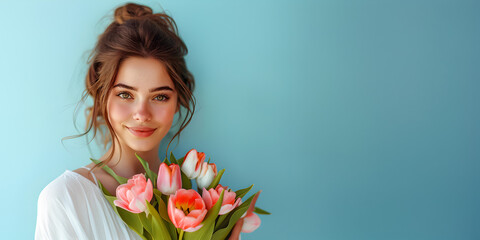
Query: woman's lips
x,y
141,132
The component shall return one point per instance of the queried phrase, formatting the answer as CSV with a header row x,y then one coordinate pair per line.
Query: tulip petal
x,y
171,210
207,174
225,209
122,192
207,199
189,222
121,204
149,191
193,229
191,166
251,223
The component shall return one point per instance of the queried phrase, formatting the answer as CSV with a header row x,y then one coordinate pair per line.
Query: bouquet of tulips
x,y
165,206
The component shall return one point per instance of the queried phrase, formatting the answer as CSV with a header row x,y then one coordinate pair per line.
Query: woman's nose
x,y
142,111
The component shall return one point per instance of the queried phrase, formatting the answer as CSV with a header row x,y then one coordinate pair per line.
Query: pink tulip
x,y
131,196
169,178
186,210
228,204
192,163
208,173
250,222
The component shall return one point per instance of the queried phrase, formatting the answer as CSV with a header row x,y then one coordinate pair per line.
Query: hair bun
x,y
131,10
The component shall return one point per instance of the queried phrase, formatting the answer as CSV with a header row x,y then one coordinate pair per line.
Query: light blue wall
x,y
357,119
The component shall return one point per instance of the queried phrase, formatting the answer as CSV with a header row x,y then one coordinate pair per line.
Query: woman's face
x,y
143,98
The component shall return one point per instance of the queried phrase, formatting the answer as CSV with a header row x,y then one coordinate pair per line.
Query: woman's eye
x,y
162,97
123,95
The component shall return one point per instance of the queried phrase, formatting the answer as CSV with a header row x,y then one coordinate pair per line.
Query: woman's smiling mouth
x,y
141,131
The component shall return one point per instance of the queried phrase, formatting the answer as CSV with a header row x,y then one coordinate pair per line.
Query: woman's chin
x,y
138,148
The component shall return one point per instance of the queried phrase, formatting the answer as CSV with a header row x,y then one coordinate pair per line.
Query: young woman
x,y
138,80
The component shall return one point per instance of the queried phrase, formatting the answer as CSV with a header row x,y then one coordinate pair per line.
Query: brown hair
x,y
135,31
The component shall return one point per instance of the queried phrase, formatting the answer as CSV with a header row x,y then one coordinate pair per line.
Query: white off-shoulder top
x,y
73,207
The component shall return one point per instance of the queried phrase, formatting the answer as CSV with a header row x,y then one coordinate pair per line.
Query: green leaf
x,y
132,220
159,230
147,222
154,201
119,179
180,161
166,161
173,230
186,182
222,220
147,235
223,231
216,180
109,197
242,192
104,190
150,174
173,159
206,231
162,207
165,199
261,211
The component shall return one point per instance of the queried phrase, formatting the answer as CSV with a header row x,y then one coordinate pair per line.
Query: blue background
x,y
357,119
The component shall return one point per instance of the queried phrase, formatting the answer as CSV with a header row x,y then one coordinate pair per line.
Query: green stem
x,y
181,235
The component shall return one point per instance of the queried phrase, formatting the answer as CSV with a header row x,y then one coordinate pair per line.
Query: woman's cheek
x,y
119,112
165,113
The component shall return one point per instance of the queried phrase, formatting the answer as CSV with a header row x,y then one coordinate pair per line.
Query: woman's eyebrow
x,y
151,90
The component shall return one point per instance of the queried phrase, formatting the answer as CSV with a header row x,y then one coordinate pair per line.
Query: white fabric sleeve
x,y
52,219
73,207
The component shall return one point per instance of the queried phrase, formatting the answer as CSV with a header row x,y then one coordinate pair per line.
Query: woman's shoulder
x,y
98,175
85,172
69,184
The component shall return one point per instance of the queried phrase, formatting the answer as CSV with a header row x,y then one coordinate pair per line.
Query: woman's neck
x,y
129,164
